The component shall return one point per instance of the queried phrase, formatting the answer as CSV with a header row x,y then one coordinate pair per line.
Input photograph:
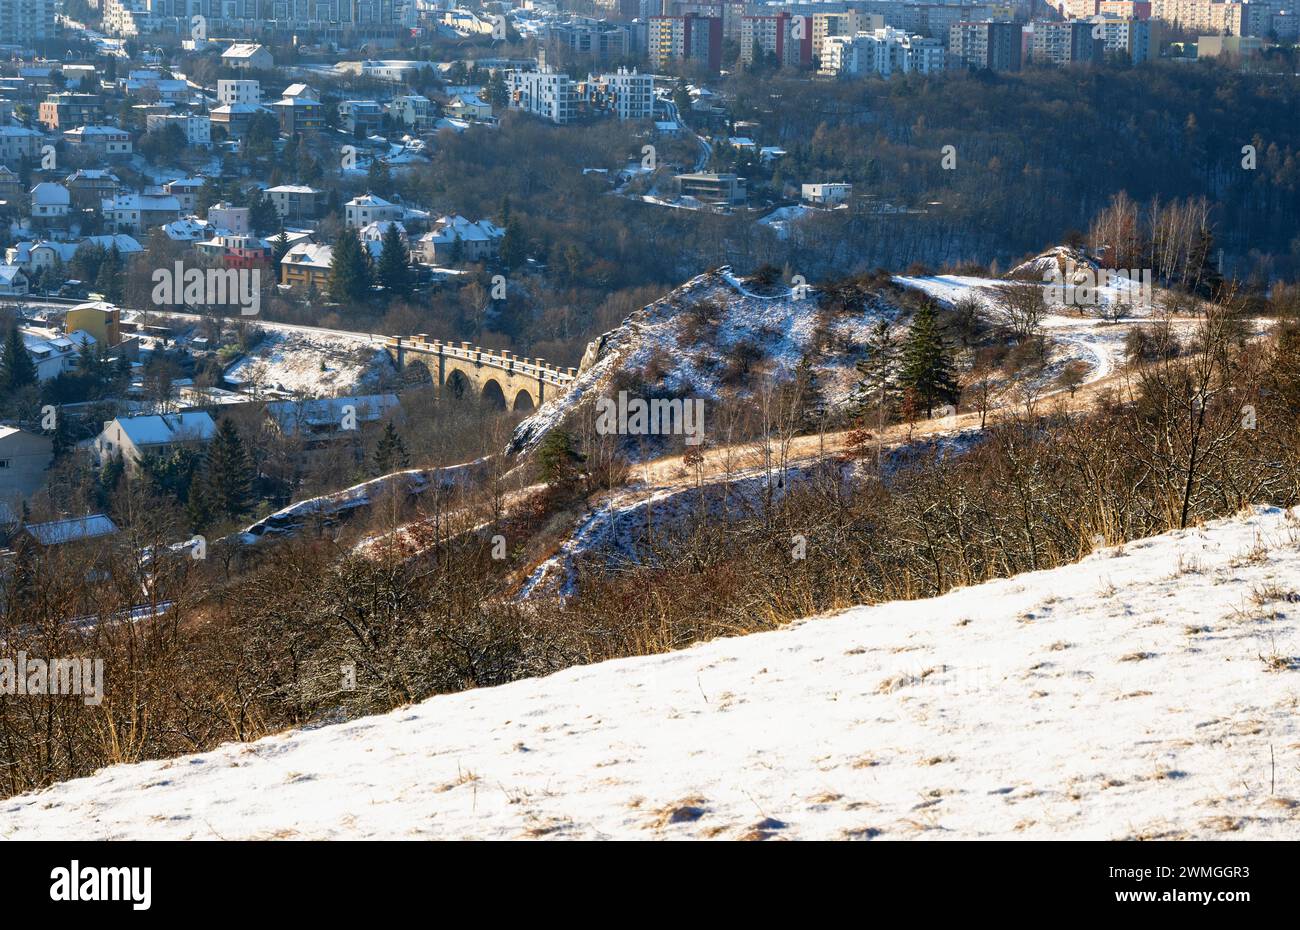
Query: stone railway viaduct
x,y
499,377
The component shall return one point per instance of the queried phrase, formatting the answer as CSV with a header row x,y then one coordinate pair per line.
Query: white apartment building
x,y
196,127
242,91
627,94
881,52
549,94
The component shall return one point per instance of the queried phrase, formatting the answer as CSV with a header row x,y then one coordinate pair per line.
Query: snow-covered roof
x,y
73,529
242,50
160,429
163,202
311,254
49,194
369,200
378,229
188,229
291,414
92,174
454,226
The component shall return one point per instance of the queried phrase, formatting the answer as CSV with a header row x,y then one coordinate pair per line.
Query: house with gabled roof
x,y
135,437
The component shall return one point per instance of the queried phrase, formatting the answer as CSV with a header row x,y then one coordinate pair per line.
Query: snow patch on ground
x,y
1147,691
329,509
312,364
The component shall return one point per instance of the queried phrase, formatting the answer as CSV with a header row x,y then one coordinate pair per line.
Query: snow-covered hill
x,y
316,363
1148,691
695,341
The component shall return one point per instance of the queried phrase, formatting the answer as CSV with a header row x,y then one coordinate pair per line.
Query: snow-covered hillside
x,y
685,343
313,363
1148,691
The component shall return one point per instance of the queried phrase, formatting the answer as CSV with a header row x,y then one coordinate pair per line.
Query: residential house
x,y
235,118
296,203
369,208
60,112
186,192
236,251
307,265
89,187
19,142
414,111
304,101
13,281
138,213
712,188
134,437
51,203
300,113
11,186
81,532
189,229
372,236
248,56
196,128
240,91
100,320
329,419
826,195
33,256
469,107
230,218
455,239
24,459
99,141
53,353
361,117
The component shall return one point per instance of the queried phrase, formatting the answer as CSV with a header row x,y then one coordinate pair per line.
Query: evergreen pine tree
x,y
198,507
262,216
811,403
280,247
390,451
926,369
349,278
17,370
109,477
877,383
394,271
558,460
513,247
228,476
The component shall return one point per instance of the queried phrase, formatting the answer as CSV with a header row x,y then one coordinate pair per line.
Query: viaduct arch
x,y
516,383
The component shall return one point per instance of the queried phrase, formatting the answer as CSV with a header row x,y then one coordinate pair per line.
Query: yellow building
x,y
99,319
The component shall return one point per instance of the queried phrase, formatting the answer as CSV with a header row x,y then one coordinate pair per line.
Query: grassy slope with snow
x,y
313,364
1137,693
782,326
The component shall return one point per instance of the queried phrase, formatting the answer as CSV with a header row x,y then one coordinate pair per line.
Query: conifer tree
x,y
280,247
394,271
926,369
878,374
17,370
513,247
390,452
228,475
558,460
349,278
